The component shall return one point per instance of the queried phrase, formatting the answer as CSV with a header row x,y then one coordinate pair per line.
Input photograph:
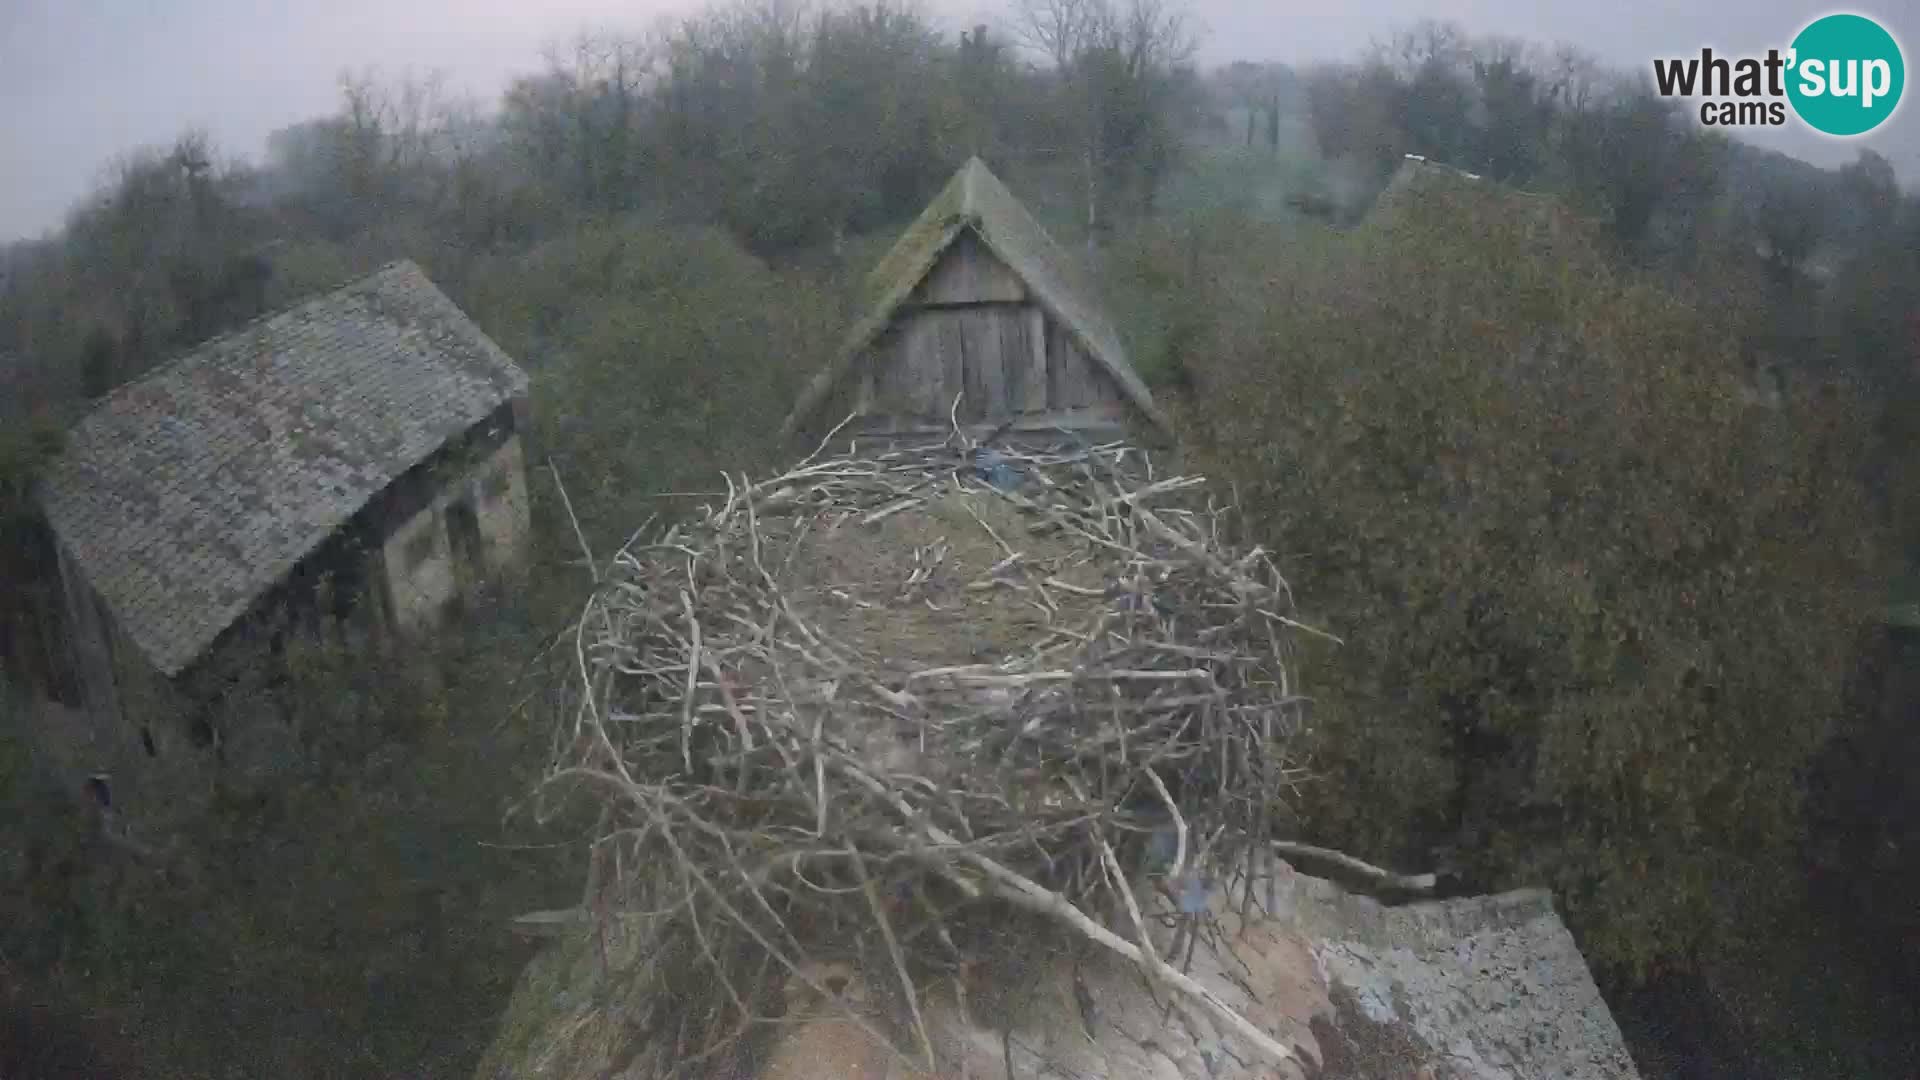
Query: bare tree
x,y
1576,80
577,122
1060,30
1423,46
1115,61
390,132
1150,33
1258,89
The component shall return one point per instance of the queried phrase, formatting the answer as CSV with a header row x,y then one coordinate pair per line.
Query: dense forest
x,y
1607,502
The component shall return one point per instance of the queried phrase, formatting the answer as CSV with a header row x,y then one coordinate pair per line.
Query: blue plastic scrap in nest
x,y
992,466
1193,894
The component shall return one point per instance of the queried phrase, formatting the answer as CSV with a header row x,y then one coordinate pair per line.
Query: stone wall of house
x,y
418,560
499,487
427,562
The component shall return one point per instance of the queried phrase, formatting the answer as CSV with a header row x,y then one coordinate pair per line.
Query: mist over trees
x,y
1603,511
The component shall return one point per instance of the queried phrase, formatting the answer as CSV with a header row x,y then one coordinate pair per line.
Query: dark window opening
x,y
463,532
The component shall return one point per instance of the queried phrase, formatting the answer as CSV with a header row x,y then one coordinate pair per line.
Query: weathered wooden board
x,y
914,380
865,384
1006,360
896,386
935,354
1031,359
950,333
969,274
1072,377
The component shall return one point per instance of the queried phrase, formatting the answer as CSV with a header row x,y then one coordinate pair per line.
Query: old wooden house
x,y
350,468
977,317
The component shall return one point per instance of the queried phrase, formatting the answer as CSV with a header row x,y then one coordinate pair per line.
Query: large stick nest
x,y
867,707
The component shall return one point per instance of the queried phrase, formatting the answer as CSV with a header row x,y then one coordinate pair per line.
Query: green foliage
x,y
24,449
787,128
347,920
1251,182
162,256
1597,609
1486,105
681,355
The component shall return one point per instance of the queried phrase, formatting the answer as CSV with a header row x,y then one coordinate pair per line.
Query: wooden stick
x,y
1023,892
1374,875
593,568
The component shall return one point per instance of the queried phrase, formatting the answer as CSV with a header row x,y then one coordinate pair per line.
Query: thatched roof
x,y
185,495
976,200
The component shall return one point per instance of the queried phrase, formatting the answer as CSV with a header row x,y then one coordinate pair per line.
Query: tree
x,y
1354,114
579,121
1789,226
1259,90
1514,114
1631,158
1123,78
1597,612
1434,95
984,93
1060,30
170,254
1869,194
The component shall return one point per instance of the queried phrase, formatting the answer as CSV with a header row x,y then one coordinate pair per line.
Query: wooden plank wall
x,y
1074,380
972,326
969,274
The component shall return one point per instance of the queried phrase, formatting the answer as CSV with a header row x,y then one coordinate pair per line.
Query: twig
x,y
693,673
1179,824
893,951
1355,868
1021,892
593,567
771,845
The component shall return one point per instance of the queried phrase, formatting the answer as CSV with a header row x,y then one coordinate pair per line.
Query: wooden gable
x,y
972,328
975,303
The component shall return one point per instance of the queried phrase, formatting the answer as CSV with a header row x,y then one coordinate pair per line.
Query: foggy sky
x,y
82,81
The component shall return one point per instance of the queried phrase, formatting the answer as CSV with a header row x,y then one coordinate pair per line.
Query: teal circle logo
x,y
1846,75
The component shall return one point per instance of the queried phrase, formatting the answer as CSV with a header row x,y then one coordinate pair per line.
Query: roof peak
x,y
975,199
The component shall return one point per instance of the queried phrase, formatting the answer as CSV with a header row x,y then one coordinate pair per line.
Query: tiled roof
x,y
187,494
976,199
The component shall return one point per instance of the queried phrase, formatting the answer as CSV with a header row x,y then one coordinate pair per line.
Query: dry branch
x,y
783,793
1363,873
